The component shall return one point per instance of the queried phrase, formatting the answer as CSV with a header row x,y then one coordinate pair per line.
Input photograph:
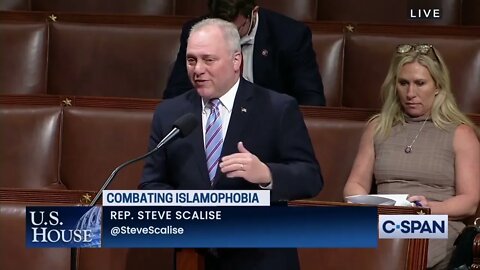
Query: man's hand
x,y
246,165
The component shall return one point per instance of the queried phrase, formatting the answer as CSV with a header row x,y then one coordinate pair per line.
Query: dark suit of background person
x,y
269,125
283,60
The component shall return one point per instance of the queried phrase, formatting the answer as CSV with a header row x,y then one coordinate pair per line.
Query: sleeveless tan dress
x,y
428,170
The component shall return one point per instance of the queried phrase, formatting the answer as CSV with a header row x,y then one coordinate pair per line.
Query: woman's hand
x,y
419,201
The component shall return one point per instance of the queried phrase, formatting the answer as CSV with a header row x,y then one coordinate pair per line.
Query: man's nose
x,y
199,68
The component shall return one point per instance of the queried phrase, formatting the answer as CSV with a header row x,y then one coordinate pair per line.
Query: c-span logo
x,y
412,226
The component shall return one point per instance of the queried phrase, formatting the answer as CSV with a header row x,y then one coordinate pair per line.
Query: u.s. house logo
x,y
63,226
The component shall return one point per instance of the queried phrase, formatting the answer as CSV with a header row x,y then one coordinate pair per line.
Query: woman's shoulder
x,y
370,129
465,139
372,124
465,132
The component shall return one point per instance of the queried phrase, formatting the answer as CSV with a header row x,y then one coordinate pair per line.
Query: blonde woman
x,y
421,144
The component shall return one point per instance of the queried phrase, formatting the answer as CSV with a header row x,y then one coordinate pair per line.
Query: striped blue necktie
x,y
213,137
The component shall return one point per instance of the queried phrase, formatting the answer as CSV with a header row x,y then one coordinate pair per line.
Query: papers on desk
x,y
380,199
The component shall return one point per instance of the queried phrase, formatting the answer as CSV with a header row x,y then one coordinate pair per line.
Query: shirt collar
x,y
226,100
250,38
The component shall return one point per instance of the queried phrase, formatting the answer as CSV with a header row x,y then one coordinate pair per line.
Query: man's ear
x,y
237,60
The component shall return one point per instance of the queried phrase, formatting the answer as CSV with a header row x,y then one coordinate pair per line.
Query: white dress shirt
x,y
247,43
225,106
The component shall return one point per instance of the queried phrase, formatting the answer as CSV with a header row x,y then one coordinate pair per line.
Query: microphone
x,y
180,128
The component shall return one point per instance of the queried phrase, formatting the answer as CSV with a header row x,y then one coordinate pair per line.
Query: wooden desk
x,y
414,251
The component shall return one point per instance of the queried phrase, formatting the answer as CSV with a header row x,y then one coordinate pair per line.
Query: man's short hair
x,y
230,9
229,31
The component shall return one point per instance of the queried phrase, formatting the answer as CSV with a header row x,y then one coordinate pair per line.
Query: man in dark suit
x,y
277,50
250,138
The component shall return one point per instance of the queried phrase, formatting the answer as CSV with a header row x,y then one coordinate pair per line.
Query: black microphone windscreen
x,y
186,123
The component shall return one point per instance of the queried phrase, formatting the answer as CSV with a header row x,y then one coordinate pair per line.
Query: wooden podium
x,y
392,254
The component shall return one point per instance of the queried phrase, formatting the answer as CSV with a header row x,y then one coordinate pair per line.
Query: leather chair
x,y
96,140
126,259
300,10
470,11
191,8
111,60
390,254
129,57
30,146
335,143
15,255
23,65
140,7
386,12
329,46
368,55
15,5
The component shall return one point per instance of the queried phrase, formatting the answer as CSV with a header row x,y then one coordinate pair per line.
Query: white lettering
x,y
425,13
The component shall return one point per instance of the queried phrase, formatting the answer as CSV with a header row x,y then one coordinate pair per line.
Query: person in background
x,y
422,145
277,52
250,138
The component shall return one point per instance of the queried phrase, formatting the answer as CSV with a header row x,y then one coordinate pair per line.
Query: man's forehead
x,y
206,31
202,38
202,47
205,45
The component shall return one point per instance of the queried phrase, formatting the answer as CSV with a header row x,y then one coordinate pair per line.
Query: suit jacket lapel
x,y
238,120
261,50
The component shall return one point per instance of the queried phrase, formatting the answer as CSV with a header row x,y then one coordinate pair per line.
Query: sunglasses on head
x,y
420,48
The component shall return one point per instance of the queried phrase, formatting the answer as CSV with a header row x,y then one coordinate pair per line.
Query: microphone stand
x,y
174,132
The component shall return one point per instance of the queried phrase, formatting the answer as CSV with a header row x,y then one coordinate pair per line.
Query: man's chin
x,y
204,92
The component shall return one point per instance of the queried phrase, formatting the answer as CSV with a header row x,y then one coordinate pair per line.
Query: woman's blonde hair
x,y
444,110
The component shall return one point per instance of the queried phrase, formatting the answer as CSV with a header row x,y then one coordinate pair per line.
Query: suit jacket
x,y
283,60
271,126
